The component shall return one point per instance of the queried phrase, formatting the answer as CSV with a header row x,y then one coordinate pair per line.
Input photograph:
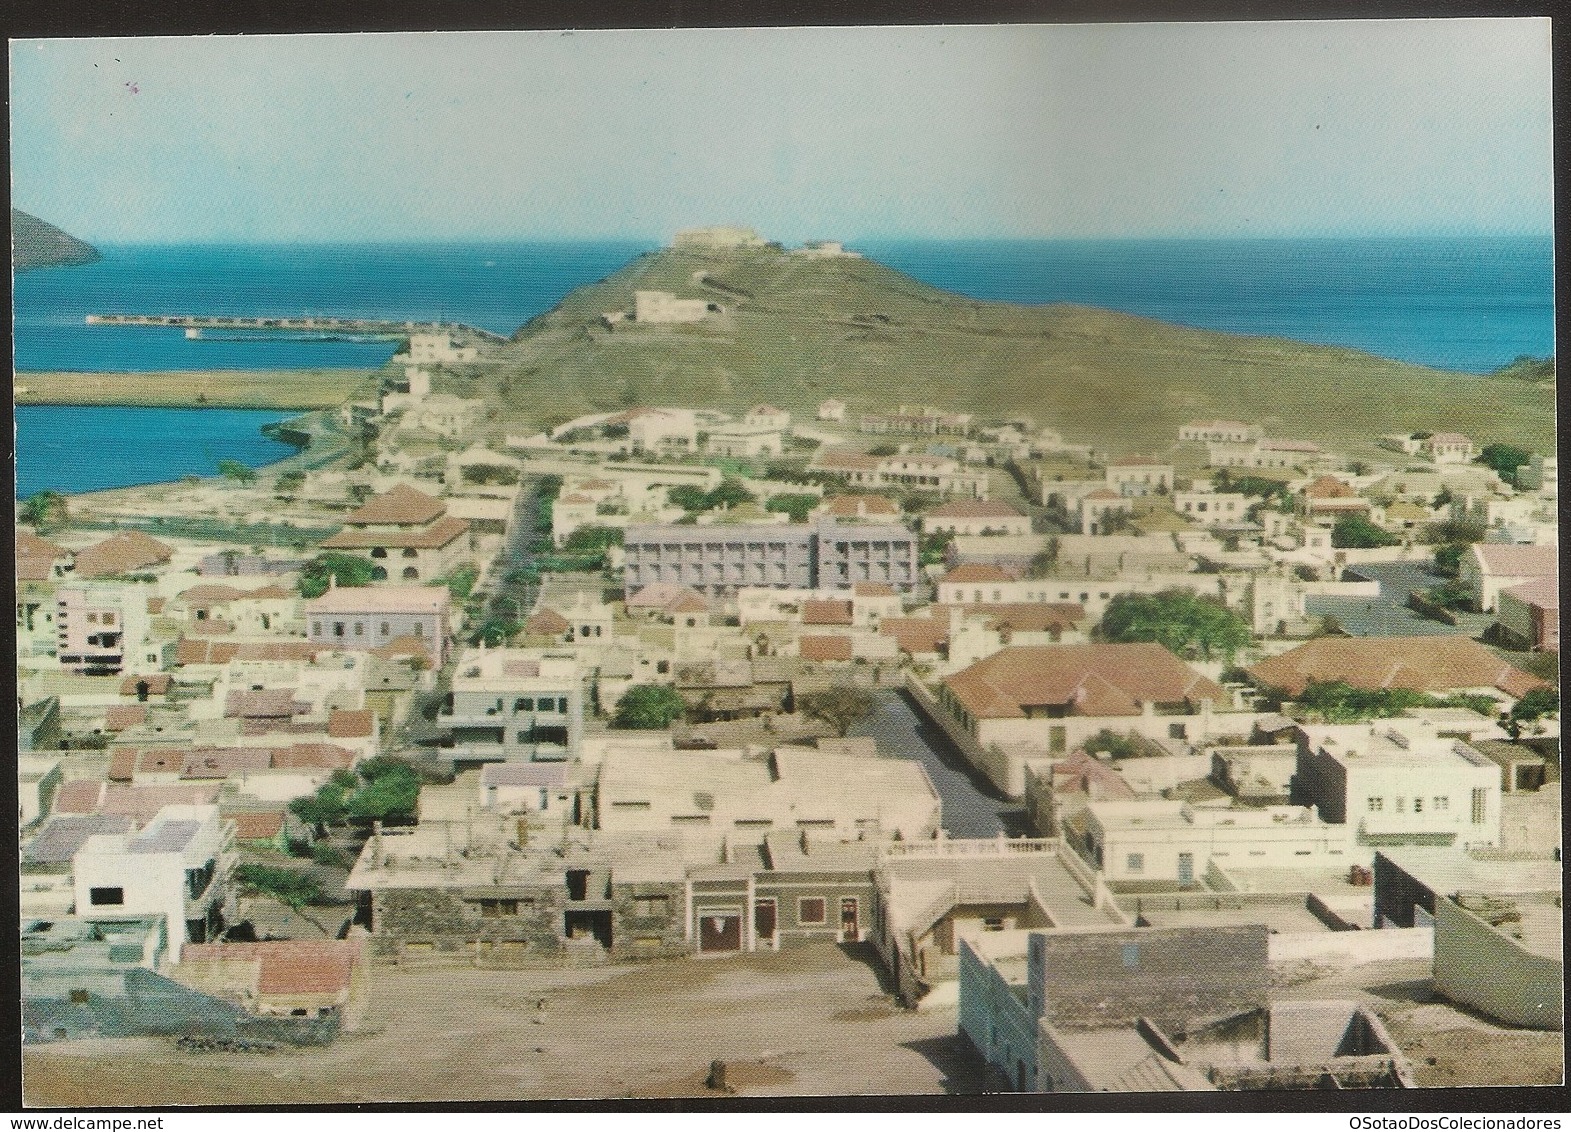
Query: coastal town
x,y
848,743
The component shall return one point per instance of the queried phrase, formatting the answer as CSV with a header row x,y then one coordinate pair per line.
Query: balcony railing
x,y
971,847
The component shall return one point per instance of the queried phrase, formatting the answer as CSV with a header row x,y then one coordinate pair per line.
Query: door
x,y
765,920
720,931
849,932
1186,868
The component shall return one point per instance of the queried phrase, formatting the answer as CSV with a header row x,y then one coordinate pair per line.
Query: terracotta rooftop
x,y
312,756
1424,664
872,589
142,803
438,534
978,572
826,612
669,597
288,967
189,651
917,635
1329,487
845,460
1029,616
402,506
255,825
80,796
859,506
121,716
1542,592
221,762
824,648
1103,493
1099,679
36,557
270,703
547,623
122,553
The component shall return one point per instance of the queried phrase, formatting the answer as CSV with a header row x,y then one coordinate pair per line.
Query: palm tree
x,y
45,510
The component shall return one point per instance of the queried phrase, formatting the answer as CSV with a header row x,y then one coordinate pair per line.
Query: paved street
x,y
971,808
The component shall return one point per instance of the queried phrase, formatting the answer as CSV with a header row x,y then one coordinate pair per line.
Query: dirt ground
x,y
1447,1046
812,1020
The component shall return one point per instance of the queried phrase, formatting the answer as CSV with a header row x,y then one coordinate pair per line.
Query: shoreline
x,y
280,390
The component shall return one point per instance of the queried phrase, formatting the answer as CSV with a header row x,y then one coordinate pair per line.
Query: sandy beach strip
x,y
197,389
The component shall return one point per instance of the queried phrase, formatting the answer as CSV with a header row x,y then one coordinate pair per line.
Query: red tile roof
x,y
1423,664
122,553
121,716
142,803
255,825
824,648
860,506
1329,487
350,724
917,635
81,796
270,703
221,762
547,623
288,967
1541,592
978,572
1030,617
189,651
402,506
872,589
438,534
122,764
312,756
1100,679
830,612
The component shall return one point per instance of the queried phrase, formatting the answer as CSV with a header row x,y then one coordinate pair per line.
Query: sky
x,y
1023,131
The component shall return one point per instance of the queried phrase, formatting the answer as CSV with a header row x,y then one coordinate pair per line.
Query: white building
x,y
1160,840
1449,448
435,349
1212,508
179,866
1399,783
1219,432
1139,475
832,410
658,307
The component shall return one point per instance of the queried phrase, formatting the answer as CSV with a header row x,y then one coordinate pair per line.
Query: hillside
x,y
37,243
798,330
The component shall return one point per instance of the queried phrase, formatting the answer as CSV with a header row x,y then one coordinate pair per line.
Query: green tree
x,y
392,789
649,707
291,888
461,582
688,497
1452,530
1537,704
343,569
45,511
1357,532
235,470
842,707
1448,559
496,630
591,538
730,493
798,507
289,483
1504,459
1337,701
1183,622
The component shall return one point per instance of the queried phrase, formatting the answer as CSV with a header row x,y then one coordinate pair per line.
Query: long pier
x,y
459,332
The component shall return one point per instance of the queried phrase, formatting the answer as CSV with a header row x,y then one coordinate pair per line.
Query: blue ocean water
x,y
72,448
1466,303
497,287
1470,304
1462,303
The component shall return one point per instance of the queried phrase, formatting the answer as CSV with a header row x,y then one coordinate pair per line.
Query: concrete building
x,y
290,978
1398,783
975,517
1529,615
718,237
1212,508
795,790
742,440
1499,934
1159,1010
1540,474
1448,448
1028,702
663,307
720,560
101,629
1139,475
1138,842
389,618
179,867
407,534
512,705
1487,568
832,409
1218,432
434,349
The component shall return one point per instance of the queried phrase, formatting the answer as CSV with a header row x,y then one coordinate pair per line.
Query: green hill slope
x,y
37,243
798,330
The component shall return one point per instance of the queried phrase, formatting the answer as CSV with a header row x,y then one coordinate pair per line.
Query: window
x,y
378,552
338,628
1375,805
386,629
359,628
1418,805
411,552
561,704
649,906
1480,805
316,628
1135,862
524,703
810,910
105,896
993,924
1401,805
494,909
1442,802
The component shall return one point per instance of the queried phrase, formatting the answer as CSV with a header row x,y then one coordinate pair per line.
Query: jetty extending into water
x,y
461,334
